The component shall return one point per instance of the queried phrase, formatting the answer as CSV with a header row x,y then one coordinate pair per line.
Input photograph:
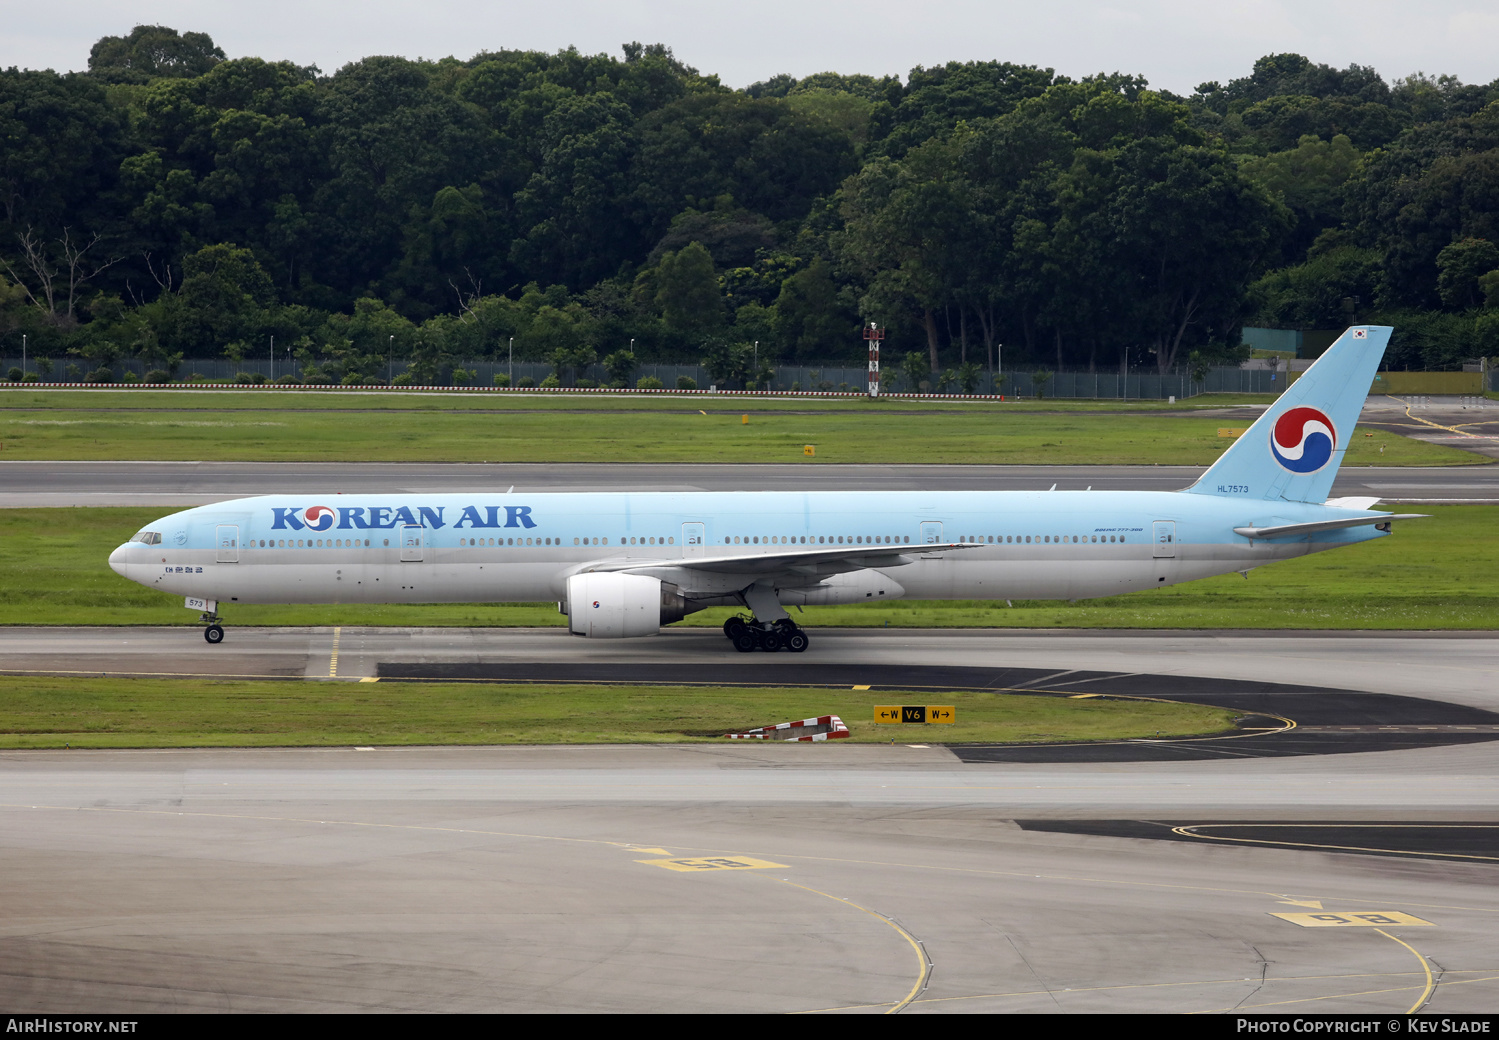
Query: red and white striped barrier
x,y
824,727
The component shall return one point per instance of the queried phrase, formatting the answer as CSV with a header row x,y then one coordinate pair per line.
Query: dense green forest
x,y
171,202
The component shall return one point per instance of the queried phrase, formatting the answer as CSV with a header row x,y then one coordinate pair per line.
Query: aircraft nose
x,y
117,560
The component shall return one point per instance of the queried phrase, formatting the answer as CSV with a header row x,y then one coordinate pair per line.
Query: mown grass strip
x,y
47,712
867,434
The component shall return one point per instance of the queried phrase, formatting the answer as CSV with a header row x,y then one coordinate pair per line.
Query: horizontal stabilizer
x,y
1283,530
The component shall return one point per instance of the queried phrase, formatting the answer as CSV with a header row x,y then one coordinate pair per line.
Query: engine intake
x,y
605,605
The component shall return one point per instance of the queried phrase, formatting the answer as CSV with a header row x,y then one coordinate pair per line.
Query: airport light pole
x,y
390,361
273,359
23,355
511,369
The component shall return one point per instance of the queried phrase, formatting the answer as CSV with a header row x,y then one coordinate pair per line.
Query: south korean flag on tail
x,y
1360,333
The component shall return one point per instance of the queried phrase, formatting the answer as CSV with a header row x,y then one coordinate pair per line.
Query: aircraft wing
x,y
789,568
1283,530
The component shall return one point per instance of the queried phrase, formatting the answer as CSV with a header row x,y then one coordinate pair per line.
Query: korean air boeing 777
x,y
626,563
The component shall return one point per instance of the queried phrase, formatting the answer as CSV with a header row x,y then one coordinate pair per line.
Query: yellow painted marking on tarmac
x,y
1425,965
1232,431
701,863
1190,831
936,868
1428,422
1314,904
861,687
924,962
370,678
1355,919
1083,696
333,657
658,852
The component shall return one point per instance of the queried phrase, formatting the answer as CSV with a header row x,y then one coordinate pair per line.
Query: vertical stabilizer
x,y
1293,451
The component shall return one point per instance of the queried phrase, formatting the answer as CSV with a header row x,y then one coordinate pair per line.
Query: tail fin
x,y
1293,451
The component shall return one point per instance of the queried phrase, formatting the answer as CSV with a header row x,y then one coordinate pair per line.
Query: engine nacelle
x,y
605,605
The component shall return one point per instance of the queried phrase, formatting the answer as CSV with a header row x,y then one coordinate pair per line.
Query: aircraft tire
x,y
734,626
745,641
771,641
796,642
214,634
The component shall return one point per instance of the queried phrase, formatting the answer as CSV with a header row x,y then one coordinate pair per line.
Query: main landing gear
x,y
749,634
214,633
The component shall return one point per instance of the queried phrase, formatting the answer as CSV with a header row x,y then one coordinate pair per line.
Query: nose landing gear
x,y
747,633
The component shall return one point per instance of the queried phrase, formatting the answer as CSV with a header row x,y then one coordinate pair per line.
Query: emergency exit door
x,y
411,543
1163,539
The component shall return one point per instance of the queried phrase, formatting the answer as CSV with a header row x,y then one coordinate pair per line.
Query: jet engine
x,y
608,605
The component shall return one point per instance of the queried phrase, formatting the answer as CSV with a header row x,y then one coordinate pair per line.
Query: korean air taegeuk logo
x,y
318,518
1303,440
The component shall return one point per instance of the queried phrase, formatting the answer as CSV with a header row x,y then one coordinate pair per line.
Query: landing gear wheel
x,y
796,642
214,634
745,641
771,641
734,626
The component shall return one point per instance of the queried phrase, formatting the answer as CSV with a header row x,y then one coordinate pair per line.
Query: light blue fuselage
x,y
523,547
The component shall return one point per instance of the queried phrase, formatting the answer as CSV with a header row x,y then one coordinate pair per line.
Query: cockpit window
x,y
147,537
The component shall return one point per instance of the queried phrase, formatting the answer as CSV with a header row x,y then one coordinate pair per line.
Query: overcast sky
x,y
1173,43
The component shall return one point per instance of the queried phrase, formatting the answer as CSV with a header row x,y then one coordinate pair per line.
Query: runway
x,y
786,878
1451,667
174,484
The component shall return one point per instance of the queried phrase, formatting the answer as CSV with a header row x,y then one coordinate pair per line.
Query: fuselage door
x,y
931,532
694,541
411,543
1163,535
226,543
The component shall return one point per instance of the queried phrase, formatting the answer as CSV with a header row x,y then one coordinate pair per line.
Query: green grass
x,y
1441,573
45,712
417,429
